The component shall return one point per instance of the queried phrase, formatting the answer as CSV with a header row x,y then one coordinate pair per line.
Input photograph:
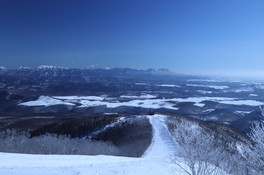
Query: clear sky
x,y
186,36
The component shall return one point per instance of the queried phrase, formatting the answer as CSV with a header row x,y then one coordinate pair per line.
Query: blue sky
x,y
187,36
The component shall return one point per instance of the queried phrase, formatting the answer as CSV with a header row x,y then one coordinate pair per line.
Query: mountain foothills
x,y
195,125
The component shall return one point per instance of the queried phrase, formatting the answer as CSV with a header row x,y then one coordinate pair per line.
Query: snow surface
x,y
243,112
143,96
24,68
253,95
45,67
92,101
156,160
144,101
197,100
199,104
141,84
204,92
168,85
46,101
259,86
147,103
205,80
95,98
243,102
208,86
244,89
163,146
218,80
208,111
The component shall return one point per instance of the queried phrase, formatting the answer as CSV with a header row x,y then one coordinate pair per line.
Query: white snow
x,y
168,85
259,86
198,100
143,96
163,147
95,98
204,80
217,80
92,101
223,100
199,104
208,111
243,112
141,84
45,101
148,103
204,92
244,89
46,67
253,95
156,160
144,101
208,86
240,148
24,68
243,102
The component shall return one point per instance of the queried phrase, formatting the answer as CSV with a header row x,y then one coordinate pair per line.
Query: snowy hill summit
x,y
167,154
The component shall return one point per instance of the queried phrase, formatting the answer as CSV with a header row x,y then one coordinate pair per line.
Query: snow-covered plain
x,y
144,101
168,85
243,112
208,86
141,84
253,95
243,102
47,101
143,96
204,92
155,161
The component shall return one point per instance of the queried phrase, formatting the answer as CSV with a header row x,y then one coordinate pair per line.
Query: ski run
x,y
157,160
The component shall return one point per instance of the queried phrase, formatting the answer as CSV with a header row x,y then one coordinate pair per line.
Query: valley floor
x,y
155,161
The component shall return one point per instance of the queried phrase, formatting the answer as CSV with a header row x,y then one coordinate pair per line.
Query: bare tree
x,y
254,152
198,153
15,142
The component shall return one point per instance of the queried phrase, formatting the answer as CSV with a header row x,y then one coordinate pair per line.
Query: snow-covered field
x,y
143,101
168,85
208,86
155,161
143,96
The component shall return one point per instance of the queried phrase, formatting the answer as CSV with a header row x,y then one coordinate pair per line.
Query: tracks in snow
x,y
156,160
163,145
